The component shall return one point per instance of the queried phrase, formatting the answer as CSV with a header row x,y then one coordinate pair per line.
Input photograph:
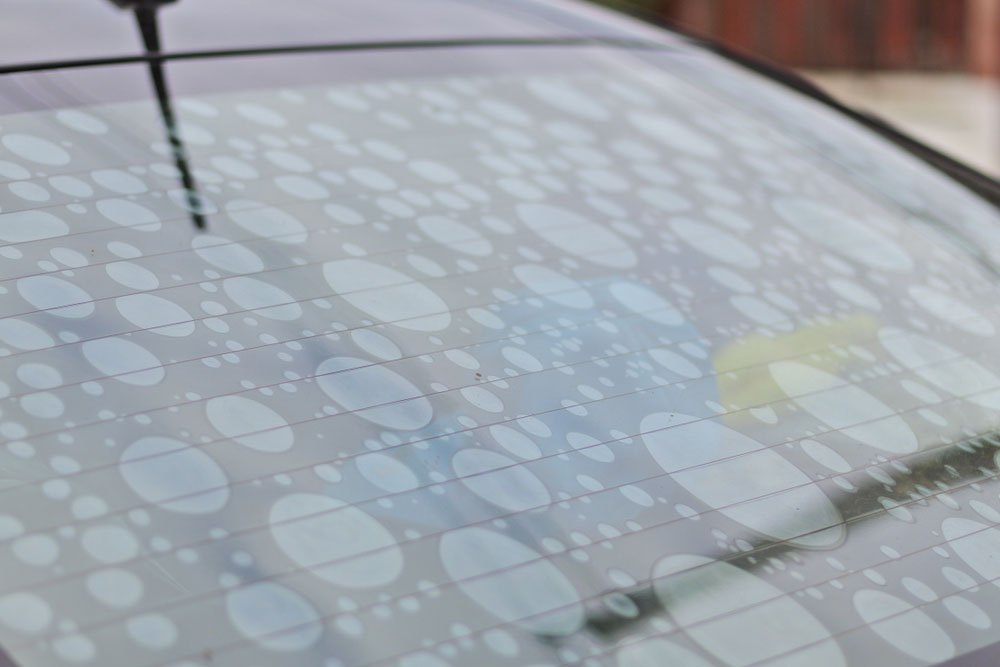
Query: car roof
x,y
54,30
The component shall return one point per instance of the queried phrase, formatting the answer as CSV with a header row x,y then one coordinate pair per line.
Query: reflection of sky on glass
x,y
589,367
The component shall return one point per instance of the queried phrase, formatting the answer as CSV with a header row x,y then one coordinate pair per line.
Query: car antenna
x,y
146,18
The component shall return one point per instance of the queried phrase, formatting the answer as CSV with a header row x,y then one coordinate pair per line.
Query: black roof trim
x,y
617,42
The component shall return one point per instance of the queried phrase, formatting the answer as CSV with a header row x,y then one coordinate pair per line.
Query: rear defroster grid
x,y
583,368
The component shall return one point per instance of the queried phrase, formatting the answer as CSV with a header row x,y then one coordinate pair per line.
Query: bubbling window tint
x,y
616,365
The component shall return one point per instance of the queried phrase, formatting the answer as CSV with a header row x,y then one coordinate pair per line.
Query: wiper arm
x,y
146,18
925,474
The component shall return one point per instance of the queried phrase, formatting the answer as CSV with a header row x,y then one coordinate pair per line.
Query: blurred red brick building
x,y
857,34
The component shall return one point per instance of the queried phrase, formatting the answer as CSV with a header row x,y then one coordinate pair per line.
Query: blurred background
x,y
930,67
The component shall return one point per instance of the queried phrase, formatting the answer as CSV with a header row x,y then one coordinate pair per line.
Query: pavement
x,y
958,114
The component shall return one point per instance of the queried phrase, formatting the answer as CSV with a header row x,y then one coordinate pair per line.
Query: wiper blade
x,y
923,475
146,18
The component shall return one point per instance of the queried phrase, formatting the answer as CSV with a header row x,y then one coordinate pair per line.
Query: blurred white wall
x,y
958,114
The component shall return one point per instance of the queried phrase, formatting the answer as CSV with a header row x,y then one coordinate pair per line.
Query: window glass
x,y
617,359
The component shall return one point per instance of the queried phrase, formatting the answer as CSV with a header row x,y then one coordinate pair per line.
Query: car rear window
x,y
626,358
